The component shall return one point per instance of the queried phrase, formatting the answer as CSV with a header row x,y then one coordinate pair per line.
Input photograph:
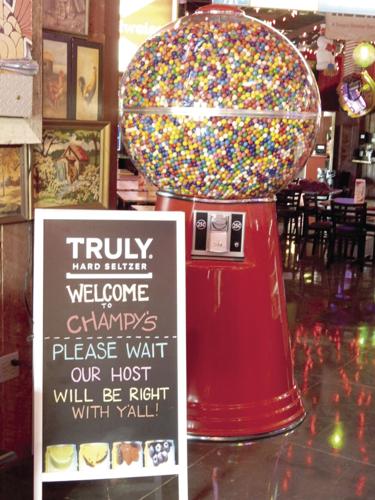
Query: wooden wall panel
x,y
15,331
16,301
104,28
16,243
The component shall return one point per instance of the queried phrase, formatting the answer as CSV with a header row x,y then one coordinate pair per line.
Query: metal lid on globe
x,y
219,105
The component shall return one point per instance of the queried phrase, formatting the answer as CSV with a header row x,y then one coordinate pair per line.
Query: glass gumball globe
x,y
219,105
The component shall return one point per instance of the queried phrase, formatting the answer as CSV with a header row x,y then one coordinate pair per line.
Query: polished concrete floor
x,y
330,456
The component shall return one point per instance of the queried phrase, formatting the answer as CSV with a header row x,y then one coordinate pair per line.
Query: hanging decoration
x,y
325,54
357,90
357,94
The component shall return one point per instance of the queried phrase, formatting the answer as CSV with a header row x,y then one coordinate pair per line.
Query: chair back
x,y
322,197
288,198
312,211
310,202
351,215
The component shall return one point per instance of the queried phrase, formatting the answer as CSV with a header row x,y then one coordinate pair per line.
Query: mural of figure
x,y
66,15
70,8
15,28
63,9
79,5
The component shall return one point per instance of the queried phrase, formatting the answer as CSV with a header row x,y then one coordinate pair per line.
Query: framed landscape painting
x,y
71,165
87,79
14,184
69,16
56,75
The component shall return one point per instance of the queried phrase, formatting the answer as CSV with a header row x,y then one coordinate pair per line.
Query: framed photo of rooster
x,y
57,75
87,79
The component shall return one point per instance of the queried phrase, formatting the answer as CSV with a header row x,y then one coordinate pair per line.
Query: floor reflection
x,y
331,455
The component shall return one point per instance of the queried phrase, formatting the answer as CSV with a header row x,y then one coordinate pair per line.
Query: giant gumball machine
x,y
220,111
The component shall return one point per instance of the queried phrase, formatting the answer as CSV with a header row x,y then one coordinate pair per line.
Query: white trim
x,y
174,10
181,355
105,276
38,353
52,477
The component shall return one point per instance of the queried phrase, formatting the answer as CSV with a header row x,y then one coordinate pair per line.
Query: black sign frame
x,y
109,346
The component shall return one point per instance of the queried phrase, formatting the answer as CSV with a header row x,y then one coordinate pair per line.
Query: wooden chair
x,y
289,212
348,232
316,227
370,231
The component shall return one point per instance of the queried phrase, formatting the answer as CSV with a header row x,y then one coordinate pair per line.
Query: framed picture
x,y
56,75
15,29
14,183
87,79
69,16
71,165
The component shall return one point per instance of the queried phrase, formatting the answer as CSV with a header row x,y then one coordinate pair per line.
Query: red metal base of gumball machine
x,y
240,379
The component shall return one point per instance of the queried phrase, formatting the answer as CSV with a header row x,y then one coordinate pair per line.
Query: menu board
x,y
109,346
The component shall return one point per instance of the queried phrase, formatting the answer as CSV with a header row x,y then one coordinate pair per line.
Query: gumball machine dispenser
x,y
220,111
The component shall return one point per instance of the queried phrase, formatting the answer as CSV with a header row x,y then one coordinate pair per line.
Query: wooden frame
x,y
69,16
55,271
71,165
87,79
14,184
57,80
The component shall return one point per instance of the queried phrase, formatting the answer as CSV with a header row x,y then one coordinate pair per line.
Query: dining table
x,y
370,204
134,190
128,184
127,198
143,208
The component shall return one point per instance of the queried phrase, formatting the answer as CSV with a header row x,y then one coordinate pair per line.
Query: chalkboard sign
x,y
109,346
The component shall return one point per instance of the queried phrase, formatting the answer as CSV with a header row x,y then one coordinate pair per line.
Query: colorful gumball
x,y
219,105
